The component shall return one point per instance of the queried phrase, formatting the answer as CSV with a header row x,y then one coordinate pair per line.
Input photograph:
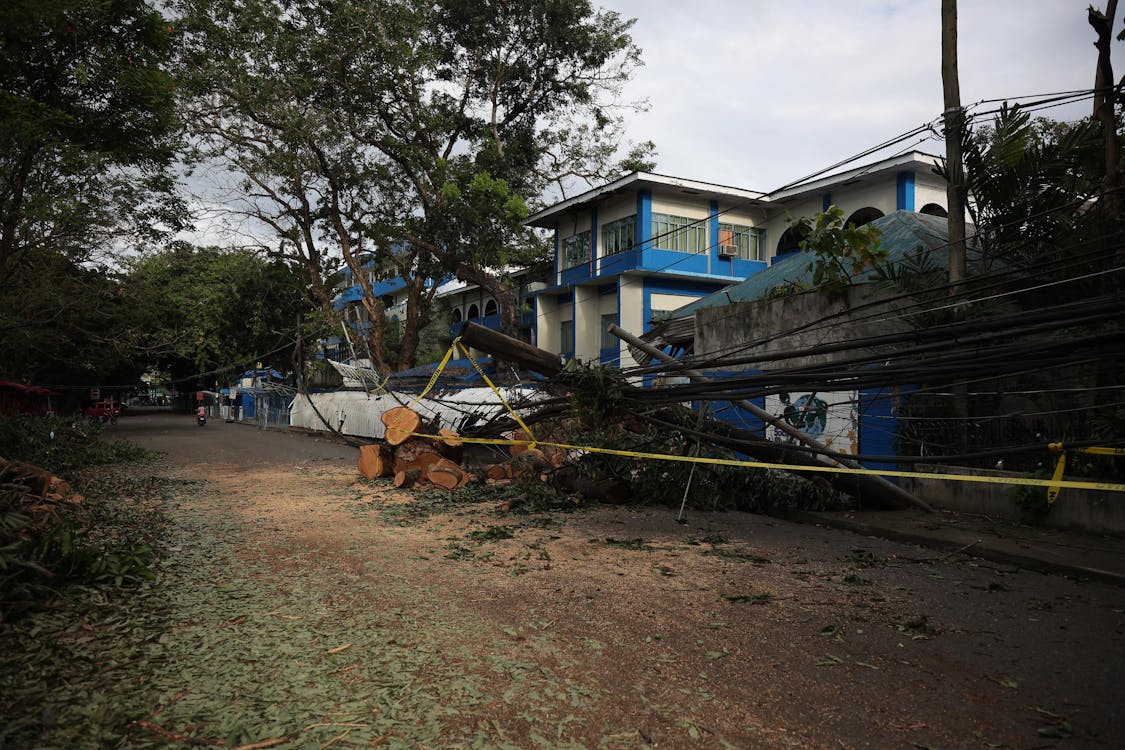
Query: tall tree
x,y
200,309
421,133
87,127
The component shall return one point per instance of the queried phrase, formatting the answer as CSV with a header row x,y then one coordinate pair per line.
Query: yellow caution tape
x,y
437,372
1054,488
496,392
1093,450
1024,481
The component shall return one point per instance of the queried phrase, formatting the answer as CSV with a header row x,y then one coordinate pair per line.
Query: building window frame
x,y
576,249
619,236
566,337
748,240
608,340
679,233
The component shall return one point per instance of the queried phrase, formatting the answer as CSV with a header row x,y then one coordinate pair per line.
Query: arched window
x,y
790,241
457,315
934,209
474,312
490,307
864,216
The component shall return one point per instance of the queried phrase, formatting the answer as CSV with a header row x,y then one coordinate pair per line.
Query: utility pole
x,y
1105,99
955,188
954,127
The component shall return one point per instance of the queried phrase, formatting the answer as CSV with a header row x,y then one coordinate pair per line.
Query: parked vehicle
x,y
103,411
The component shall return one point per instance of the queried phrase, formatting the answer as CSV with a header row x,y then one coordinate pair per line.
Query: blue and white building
x,y
634,250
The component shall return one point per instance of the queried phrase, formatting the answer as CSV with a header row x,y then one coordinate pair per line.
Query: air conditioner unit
x,y
728,251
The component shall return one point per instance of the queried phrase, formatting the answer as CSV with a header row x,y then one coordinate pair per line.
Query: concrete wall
x,y
1081,509
719,329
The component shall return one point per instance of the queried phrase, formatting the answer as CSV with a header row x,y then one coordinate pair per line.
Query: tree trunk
x,y
416,320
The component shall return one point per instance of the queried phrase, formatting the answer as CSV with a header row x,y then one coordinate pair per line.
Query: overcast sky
x,y
758,93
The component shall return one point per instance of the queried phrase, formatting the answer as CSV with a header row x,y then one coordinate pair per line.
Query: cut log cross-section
x,y
416,452
400,423
445,473
375,461
450,445
407,478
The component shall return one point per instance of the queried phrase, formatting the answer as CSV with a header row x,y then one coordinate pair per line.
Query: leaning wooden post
x,y
875,484
510,349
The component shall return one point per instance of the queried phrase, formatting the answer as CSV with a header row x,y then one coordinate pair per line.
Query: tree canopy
x,y
88,127
202,309
419,132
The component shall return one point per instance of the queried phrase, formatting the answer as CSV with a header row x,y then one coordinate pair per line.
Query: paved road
x,y
222,442
613,627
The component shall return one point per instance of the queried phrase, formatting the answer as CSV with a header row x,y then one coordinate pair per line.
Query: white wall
x,y
631,290
615,208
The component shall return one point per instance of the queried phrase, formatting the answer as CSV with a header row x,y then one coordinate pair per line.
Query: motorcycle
x,y
200,418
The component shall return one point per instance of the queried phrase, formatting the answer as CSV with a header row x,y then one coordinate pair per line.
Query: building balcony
x,y
665,261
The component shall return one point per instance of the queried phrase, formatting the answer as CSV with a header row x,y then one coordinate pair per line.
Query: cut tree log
x,y
418,452
447,474
498,471
531,461
407,478
35,479
400,422
450,445
515,450
376,461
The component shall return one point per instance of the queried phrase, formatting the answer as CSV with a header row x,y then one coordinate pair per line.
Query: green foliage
x,y
597,397
1028,179
712,487
843,252
198,309
87,126
61,445
442,124
1031,499
104,540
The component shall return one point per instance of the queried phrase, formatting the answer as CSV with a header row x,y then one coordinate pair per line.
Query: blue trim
x,y
713,225
878,425
593,240
904,191
643,239
696,290
534,323
735,415
826,201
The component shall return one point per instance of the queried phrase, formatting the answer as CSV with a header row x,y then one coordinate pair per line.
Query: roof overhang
x,y
634,181
913,160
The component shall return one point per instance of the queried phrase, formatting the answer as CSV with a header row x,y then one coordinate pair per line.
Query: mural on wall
x,y
832,418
